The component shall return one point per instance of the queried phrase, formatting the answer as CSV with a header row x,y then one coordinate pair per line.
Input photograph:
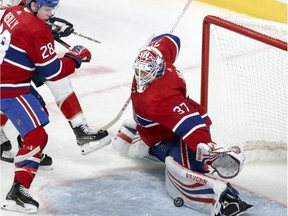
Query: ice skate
x,y
46,162
18,199
233,206
6,146
90,140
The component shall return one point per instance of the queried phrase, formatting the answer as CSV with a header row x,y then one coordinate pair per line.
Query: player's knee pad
x,y
198,191
125,137
60,89
226,161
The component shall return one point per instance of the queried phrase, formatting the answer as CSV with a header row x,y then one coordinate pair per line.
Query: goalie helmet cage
x,y
244,84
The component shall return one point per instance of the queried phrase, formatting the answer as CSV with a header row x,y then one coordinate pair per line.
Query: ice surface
x,y
106,183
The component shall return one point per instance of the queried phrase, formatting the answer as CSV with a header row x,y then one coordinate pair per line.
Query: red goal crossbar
x,y
213,20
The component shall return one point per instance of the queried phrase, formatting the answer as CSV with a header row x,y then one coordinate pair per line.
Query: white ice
x,y
102,86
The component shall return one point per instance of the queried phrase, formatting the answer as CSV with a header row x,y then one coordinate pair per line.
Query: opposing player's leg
x,y
28,117
201,191
88,139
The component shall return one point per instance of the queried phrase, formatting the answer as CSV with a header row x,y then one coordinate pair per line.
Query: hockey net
x,y
244,84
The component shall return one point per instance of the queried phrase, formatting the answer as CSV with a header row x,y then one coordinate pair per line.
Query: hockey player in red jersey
x,y
27,45
67,101
170,127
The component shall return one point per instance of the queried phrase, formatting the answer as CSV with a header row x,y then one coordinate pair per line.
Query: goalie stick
x,y
129,99
118,116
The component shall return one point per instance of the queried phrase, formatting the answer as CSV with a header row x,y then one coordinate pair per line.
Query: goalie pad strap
x,y
124,137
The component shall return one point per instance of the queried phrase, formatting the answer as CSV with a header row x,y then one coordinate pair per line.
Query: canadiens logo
x,y
19,122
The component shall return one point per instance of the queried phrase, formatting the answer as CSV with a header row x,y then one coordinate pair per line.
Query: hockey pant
x,y
181,153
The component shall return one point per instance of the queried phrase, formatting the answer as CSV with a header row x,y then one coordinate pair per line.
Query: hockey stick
x,y
86,37
118,116
75,33
63,43
129,99
180,16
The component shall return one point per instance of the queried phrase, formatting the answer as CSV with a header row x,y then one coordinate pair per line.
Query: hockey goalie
x,y
170,127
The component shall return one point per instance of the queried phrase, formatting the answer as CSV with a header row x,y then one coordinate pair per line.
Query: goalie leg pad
x,y
125,137
198,191
138,148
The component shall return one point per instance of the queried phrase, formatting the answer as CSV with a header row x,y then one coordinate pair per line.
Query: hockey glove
x,y
226,161
60,27
79,54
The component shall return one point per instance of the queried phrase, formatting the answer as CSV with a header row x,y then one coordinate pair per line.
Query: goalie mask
x,y
148,66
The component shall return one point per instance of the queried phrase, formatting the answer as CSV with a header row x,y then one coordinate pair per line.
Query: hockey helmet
x,y
148,66
48,3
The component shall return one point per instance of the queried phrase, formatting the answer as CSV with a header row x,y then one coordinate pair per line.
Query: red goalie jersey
x,y
164,111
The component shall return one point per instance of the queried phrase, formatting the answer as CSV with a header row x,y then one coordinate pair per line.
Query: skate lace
x,y
85,129
24,191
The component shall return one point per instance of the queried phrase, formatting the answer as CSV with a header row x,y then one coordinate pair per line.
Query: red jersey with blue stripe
x,y
164,111
26,45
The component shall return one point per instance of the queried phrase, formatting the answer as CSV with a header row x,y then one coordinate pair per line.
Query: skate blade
x,y
9,160
93,146
46,168
11,205
7,156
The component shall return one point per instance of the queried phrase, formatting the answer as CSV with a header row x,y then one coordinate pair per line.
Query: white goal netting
x,y
247,89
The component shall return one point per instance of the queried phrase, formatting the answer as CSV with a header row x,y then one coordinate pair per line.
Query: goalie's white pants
x,y
198,191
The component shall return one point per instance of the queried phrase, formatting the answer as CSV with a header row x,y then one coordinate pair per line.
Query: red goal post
x,y
244,83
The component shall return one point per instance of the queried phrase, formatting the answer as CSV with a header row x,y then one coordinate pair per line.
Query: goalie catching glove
x,y
227,162
79,54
